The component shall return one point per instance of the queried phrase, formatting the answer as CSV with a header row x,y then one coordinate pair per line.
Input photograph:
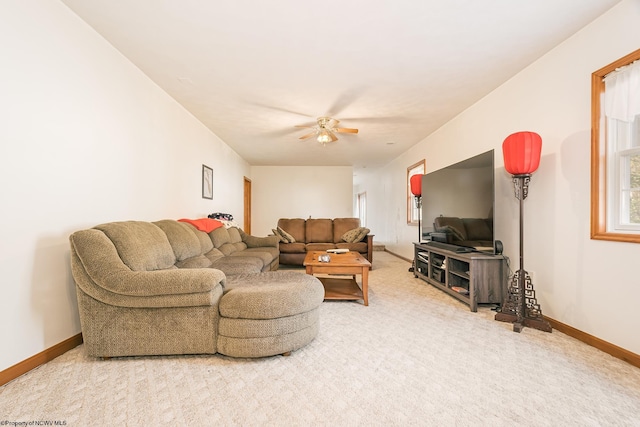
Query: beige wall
x,y
85,138
299,192
587,284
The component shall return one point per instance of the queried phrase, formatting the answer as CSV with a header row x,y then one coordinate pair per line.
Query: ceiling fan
x,y
325,130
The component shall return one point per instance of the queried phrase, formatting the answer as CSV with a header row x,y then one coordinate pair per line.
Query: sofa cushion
x,y
205,241
342,225
320,246
288,238
203,224
292,248
199,261
219,237
355,247
279,236
183,240
295,227
273,251
287,292
265,257
477,229
355,235
214,254
234,235
231,265
142,246
259,242
229,248
319,230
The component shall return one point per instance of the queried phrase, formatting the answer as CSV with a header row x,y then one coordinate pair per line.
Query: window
x,y
615,151
361,209
412,209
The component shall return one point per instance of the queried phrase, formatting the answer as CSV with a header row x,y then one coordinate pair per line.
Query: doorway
x,y
247,205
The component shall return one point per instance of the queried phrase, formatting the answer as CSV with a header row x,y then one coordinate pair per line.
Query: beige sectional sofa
x,y
320,234
166,287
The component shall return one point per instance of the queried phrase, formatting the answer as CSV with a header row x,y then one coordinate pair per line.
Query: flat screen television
x,y
464,190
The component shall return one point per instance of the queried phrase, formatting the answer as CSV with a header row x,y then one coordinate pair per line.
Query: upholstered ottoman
x,y
268,313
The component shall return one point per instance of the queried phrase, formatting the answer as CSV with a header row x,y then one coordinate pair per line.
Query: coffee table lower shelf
x,y
341,289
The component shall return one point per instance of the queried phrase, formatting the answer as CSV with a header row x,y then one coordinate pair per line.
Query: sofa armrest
x,y
164,282
94,253
369,240
259,242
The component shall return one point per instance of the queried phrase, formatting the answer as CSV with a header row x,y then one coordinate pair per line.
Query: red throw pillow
x,y
204,224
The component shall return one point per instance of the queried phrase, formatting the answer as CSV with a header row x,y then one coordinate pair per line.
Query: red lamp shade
x,y
416,184
521,151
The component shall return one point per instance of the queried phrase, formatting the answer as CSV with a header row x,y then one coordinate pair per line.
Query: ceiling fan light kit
x,y
324,130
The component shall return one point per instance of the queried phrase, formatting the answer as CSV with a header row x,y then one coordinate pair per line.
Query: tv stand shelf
x,y
472,277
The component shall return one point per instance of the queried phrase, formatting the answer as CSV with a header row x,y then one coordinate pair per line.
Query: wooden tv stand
x,y
473,277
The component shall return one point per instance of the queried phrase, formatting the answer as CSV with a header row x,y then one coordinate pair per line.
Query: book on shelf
x,y
460,290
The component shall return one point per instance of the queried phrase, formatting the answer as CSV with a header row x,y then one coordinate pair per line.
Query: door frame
x,y
247,205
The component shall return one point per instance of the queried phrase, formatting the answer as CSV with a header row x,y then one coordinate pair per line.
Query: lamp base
x,y
520,306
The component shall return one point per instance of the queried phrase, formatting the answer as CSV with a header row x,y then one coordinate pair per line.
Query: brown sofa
x,y
320,234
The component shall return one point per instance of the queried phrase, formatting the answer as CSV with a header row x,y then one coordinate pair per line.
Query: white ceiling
x,y
395,69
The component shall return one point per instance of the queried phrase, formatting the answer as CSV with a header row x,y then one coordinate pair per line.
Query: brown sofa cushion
x,y
355,247
284,236
355,235
341,226
295,227
319,230
320,246
292,248
278,236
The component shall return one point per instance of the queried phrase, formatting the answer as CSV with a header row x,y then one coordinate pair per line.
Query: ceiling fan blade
x,y
344,100
379,120
303,126
333,136
309,135
284,110
345,130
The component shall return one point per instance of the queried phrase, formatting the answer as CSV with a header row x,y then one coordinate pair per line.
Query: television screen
x,y
457,202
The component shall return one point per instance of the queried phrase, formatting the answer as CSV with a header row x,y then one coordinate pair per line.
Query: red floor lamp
x,y
415,183
416,189
521,151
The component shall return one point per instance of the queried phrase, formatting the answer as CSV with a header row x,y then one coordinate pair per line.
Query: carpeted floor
x,y
415,356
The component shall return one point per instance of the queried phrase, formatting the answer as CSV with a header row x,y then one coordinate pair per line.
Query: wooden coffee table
x,y
350,264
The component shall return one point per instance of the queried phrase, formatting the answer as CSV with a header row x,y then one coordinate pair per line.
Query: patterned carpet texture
x,y
414,356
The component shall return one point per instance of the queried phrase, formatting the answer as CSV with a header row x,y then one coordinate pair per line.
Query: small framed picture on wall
x,y
207,182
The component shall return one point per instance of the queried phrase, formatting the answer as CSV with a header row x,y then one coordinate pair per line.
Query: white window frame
x,y
623,142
